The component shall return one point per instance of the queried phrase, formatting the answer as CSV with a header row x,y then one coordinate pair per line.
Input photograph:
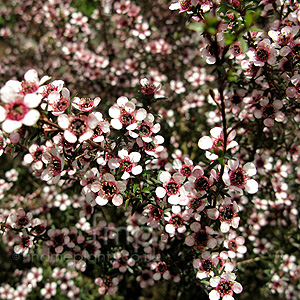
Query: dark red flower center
x,y
78,125
145,130
237,177
262,55
16,111
161,267
126,165
226,214
172,188
201,183
225,288
109,189
176,220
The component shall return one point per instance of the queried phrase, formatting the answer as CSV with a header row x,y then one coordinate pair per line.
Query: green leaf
x,y
198,27
135,187
145,190
127,203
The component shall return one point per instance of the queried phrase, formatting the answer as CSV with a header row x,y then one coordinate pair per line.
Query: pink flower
x,y
25,243
124,114
238,179
215,143
228,214
183,5
148,88
107,285
109,190
17,109
59,103
171,187
127,163
224,286
265,52
85,104
77,128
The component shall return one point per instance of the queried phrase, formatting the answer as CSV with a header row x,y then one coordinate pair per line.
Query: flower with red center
x,y
238,179
197,203
145,129
58,239
228,214
55,165
183,5
109,190
2,143
25,243
124,114
148,88
201,238
101,128
46,90
34,157
77,128
265,52
171,187
205,265
59,103
175,221
107,285
215,144
123,261
185,167
269,111
21,219
224,286
235,245
85,104
161,270
153,147
18,110
198,182
127,162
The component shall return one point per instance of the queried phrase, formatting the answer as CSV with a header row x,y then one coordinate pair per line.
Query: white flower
x,y
238,179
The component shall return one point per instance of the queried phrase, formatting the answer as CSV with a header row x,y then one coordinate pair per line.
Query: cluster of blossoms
x,y
128,191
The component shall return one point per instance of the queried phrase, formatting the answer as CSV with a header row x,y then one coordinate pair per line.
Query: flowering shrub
x,y
158,155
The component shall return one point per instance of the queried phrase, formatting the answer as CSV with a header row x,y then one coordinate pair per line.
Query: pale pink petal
x,y
32,100
237,288
121,101
137,170
31,75
114,112
115,123
63,121
31,117
170,228
101,201
2,113
10,125
117,200
225,227
164,176
86,136
141,114
160,192
233,164
251,186
205,143
70,137
250,169
173,199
